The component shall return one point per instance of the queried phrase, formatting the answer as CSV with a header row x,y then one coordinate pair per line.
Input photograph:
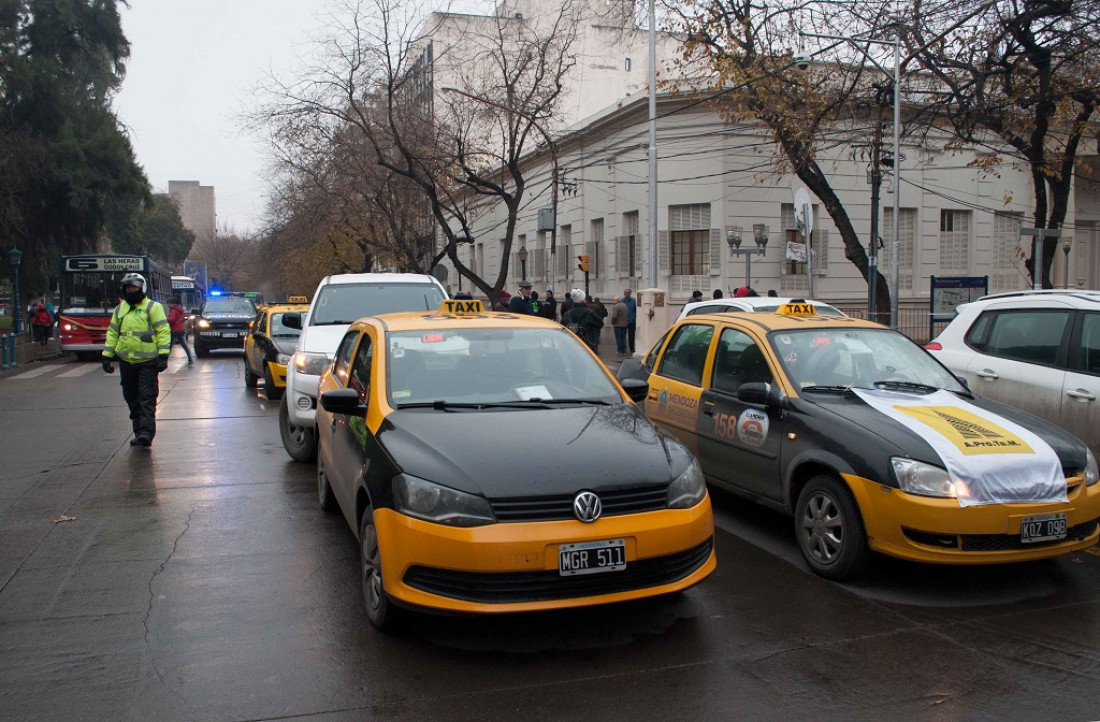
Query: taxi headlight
x,y
202,323
310,363
282,358
916,477
688,489
1092,472
431,502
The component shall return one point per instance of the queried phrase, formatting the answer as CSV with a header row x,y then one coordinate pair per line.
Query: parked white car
x,y
752,304
1036,350
338,302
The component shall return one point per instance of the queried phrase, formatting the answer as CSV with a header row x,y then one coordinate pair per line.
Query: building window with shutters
x,y
627,261
594,248
689,239
954,241
1009,272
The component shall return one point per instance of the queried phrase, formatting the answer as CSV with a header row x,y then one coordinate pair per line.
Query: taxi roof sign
x,y
297,299
461,307
797,309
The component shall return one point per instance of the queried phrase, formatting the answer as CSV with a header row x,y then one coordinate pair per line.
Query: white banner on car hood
x,y
996,460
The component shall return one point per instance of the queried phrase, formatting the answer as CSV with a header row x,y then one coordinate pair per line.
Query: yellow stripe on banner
x,y
970,433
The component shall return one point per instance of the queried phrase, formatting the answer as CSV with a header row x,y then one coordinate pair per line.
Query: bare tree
x,y
1025,71
746,50
375,94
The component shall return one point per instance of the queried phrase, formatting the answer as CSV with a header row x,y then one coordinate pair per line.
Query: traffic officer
x,y
139,337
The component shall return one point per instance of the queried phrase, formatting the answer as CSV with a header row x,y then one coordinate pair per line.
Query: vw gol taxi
x,y
867,441
488,462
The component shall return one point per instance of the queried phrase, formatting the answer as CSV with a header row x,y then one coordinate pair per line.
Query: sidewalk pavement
x,y
27,352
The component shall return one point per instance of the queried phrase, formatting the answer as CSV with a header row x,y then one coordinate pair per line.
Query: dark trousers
x,y
630,329
180,337
140,388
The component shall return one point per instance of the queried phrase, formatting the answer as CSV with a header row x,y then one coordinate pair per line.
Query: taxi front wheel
x,y
830,530
380,610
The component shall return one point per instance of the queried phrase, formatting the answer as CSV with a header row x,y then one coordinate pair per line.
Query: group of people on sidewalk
x,y
580,313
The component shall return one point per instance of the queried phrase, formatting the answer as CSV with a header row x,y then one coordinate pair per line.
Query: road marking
x,y
80,371
49,368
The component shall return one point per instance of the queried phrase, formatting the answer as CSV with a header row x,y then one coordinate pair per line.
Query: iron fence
x,y
913,321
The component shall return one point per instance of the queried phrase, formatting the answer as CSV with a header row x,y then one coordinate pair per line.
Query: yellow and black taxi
x,y
269,346
488,462
867,441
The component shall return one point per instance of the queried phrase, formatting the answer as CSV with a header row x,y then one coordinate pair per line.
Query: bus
x,y
190,292
90,290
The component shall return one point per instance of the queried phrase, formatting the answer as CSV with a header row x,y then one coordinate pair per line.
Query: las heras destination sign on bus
x,y
104,263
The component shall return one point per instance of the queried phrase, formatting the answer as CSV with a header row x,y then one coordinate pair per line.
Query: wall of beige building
x,y
956,220
198,207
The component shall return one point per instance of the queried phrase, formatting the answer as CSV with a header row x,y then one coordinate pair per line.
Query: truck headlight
x,y
313,364
1092,472
916,477
440,504
688,489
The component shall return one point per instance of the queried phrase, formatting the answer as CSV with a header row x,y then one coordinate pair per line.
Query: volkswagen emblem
x,y
587,507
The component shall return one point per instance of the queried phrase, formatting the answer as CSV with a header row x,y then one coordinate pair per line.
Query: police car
x,y
867,441
488,462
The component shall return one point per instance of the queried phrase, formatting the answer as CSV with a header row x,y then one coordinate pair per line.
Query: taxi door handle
x,y
708,408
988,374
1082,394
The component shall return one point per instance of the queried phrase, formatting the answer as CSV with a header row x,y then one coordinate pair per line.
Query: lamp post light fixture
x,y
733,240
1067,245
523,262
15,256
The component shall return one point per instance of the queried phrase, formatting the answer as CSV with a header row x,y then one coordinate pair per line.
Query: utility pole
x,y
872,250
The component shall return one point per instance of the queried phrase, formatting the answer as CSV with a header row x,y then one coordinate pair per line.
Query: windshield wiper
x,y
593,402
828,389
441,405
905,386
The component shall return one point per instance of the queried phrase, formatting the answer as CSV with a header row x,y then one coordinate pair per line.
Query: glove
x,y
162,364
108,367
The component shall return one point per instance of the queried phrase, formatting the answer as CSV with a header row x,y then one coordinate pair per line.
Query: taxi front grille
x,y
517,587
560,507
997,542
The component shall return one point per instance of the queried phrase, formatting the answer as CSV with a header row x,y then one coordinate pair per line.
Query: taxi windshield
x,y
494,366
860,358
278,329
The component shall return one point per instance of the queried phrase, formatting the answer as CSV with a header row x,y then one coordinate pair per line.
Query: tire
x,y
325,497
299,441
87,356
271,391
381,611
829,529
250,379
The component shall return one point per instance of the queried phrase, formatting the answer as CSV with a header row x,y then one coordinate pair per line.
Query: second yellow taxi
x,y
867,441
268,348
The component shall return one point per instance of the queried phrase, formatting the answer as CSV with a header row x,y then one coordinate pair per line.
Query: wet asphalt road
x,y
199,580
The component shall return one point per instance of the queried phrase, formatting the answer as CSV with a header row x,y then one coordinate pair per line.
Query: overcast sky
x,y
192,66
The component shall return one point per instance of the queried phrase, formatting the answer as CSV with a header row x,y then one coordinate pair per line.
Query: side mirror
x,y
632,368
293,319
342,401
762,394
635,389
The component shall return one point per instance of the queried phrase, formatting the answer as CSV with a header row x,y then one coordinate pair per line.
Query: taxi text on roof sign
x,y
797,309
461,307
297,299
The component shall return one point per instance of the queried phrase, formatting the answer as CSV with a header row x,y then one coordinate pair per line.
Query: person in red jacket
x,y
177,323
43,324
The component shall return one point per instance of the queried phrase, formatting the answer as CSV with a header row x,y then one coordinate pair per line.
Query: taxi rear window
x,y
686,354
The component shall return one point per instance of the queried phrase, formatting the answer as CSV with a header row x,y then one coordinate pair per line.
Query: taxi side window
x,y
738,360
686,354
260,324
343,356
651,358
360,369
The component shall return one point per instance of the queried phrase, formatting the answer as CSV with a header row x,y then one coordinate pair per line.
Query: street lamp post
x,y
523,262
1067,245
15,256
872,265
733,240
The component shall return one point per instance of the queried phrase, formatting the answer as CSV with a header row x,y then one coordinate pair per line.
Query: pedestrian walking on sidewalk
x,y
177,324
